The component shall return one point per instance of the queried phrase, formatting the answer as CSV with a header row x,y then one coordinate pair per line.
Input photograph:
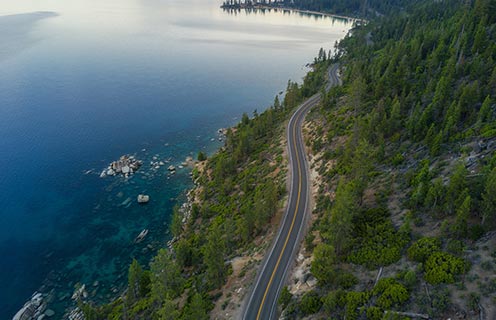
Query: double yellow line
x,y
292,222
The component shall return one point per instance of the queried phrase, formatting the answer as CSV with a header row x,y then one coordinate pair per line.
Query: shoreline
x,y
47,299
276,8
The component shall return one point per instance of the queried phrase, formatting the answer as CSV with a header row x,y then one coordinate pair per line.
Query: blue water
x,y
83,82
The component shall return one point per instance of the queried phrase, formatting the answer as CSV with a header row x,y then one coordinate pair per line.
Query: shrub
x,y
440,299
322,266
390,293
285,297
455,247
354,300
310,303
475,232
442,267
382,245
394,295
397,159
374,313
202,156
346,280
410,279
423,249
334,300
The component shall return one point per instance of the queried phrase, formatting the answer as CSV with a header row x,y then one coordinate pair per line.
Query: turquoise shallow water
x,y
83,82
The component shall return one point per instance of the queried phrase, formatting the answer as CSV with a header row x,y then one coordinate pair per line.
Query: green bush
x,y
322,266
381,246
310,303
394,295
354,300
410,279
440,300
423,248
475,232
334,300
374,313
455,246
390,293
285,297
442,267
346,280
397,159
202,156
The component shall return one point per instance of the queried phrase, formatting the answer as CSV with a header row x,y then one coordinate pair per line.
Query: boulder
x,y
143,198
125,169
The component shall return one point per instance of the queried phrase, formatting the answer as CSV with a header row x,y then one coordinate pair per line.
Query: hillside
x,y
404,153
221,234
404,172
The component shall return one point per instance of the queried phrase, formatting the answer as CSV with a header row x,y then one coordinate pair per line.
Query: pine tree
x,y
484,112
322,264
489,201
456,186
134,278
166,279
196,309
341,215
214,252
460,227
168,311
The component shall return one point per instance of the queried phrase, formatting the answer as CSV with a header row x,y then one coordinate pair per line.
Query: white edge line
x,y
305,212
283,222
273,308
285,217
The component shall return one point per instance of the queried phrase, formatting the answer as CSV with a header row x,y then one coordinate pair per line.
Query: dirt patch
x,y
480,280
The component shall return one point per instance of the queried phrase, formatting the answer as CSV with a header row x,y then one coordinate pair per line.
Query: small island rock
x,y
143,198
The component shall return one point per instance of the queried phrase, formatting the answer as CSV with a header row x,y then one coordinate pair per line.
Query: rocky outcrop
x,y
127,165
34,309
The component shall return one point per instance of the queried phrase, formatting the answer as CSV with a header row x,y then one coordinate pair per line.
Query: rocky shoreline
x,y
37,307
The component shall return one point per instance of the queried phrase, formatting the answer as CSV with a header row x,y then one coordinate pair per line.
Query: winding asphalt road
x,y
262,304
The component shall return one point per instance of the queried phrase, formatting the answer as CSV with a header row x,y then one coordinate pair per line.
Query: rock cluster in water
x,y
126,166
34,309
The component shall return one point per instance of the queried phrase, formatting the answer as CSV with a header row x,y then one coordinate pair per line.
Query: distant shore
x,y
237,6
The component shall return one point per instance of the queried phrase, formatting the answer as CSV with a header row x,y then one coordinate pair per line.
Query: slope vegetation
x,y
405,150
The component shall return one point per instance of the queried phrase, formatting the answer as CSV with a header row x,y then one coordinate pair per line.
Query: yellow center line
x,y
290,229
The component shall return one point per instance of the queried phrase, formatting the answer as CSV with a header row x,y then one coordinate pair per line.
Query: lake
x,y
83,82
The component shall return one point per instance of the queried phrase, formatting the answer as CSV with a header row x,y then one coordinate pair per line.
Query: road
x,y
262,303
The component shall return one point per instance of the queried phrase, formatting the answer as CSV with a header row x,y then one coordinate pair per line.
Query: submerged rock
x,y
49,313
141,236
